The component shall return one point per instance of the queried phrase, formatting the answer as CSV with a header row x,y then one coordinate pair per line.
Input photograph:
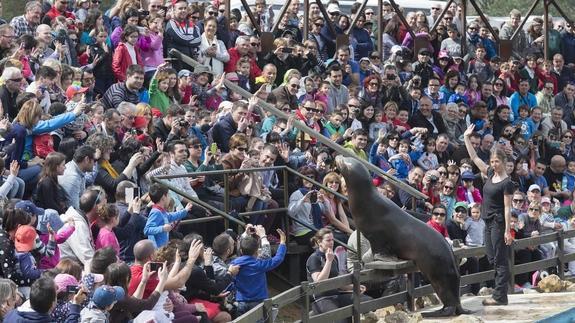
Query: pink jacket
x,y
61,236
107,238
151,50
461,196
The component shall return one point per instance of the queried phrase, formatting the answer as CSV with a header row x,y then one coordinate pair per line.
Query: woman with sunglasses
x,y
447,195
496,212
437,221
370,94
529,226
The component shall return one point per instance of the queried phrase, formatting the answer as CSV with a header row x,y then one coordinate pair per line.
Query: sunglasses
x,y
517,201
369,13
447,18
222,11
373,84
443,173
319,25
294,86
549,88
197,146
498,84
534,209
440,214
374,57
255,44
242,148
195,17
212,13
16,80
472,28
316,110
448,187
96,1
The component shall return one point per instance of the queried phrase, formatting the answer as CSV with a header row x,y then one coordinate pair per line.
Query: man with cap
x,y
333,12
102,302
422,67
534,193
548,221
456,221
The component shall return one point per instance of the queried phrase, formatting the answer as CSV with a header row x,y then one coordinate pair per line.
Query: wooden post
x,y
305,301
560,254
379,34
546,30
268,310
226,200
356,292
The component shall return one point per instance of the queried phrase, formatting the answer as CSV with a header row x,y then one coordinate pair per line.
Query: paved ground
x,y
521,308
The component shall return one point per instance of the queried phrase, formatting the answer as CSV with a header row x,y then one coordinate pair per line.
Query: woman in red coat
x,y
127,53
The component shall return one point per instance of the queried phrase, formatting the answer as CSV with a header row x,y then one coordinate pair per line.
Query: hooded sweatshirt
x,y
25,315
251,282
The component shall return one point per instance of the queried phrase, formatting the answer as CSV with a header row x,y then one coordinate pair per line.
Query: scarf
x,y
315,211
105,164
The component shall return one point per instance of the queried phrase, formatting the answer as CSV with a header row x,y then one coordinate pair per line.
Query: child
x,y
101,303
251,283
151,45
50,220
158,89
479,66
160,222
473,94
323,92
467,192
24,241
400,122
377,125
401,161
102,67
123,54
428,159
76,96
475,226
568,183
459,95
102,232
334,129
309,86
452,44
243,67
524,122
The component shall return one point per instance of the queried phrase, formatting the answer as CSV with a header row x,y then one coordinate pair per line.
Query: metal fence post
x,y
284,219
305,302
410,289
226,199
560,255
356,292
511,266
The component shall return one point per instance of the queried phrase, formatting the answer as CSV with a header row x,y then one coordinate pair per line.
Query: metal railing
x,y
303,293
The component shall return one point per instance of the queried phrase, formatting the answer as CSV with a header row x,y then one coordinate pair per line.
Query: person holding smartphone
x,y
213,51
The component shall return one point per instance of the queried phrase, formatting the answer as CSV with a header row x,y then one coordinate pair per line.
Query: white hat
x,y
396,49
332,8
534,187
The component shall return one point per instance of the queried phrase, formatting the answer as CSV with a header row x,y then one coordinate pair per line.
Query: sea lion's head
x,y
354,173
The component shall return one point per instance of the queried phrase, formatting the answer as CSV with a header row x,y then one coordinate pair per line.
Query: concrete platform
x,y
521,307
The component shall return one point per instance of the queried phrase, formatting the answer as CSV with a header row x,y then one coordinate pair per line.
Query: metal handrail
x,y
306,288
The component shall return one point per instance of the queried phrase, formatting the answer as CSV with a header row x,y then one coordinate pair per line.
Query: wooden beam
x,y
253,19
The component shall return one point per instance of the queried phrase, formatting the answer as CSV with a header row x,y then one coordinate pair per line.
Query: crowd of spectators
x,y
93,106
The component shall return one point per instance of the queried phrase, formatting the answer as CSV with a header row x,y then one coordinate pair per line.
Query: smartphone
x,y
287,50
228,288
526,166
141,30
155,266
268,88
313,197
214,148
131,193
71,289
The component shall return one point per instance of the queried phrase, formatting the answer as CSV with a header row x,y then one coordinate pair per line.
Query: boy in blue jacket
x,y
251,282
160,222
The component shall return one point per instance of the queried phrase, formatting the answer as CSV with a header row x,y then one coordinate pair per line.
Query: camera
x,y
61,36
155,266
143,13
183,123
71,289
433,179
390,77
313,197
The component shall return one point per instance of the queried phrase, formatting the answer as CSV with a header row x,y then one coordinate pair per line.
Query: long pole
x,y
311,132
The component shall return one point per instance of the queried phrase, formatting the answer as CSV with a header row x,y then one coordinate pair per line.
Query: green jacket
x,y
158,99
358,152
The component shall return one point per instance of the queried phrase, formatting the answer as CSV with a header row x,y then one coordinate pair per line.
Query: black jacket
x,y
419,120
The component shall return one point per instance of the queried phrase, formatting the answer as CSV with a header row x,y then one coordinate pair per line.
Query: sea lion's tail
x,y
447,311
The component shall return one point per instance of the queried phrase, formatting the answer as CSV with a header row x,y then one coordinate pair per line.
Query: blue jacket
x,y
154,228
16,316
568,47
251,283
361,43
222,131
516,100
527,127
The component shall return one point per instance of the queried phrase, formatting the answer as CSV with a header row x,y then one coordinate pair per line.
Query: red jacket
x,y
122,60
230,66
53,13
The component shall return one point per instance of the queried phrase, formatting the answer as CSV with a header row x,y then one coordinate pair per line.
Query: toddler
x,y
475,227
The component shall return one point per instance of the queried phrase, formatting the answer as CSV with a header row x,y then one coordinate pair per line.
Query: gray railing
x,y
376,272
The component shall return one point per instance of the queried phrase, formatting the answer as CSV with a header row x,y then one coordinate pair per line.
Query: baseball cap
x,y
545,199
442,54
63,281
184,73
495,59
467,175
424,51
396,49
460,204
75,89
29,207
333,8
25,238
106,295
534,187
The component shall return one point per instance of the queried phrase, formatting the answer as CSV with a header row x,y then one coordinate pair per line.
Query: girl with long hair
x,y
49,194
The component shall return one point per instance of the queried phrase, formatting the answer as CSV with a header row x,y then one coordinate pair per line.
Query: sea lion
x,y
391,230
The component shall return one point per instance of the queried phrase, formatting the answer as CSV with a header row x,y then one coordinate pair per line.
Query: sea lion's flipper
x,y
459,310
386,257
